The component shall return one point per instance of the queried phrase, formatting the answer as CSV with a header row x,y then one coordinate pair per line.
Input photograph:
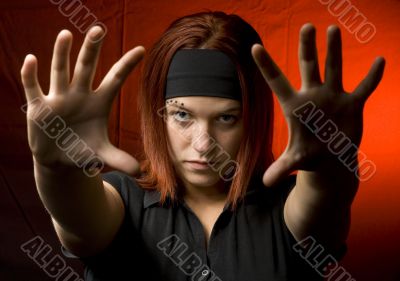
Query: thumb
x,y
119,159
278,170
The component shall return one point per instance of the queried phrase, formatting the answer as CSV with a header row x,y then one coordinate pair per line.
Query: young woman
x,y
208,202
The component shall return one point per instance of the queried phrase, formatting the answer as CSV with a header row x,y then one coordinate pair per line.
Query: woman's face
x,y
203,134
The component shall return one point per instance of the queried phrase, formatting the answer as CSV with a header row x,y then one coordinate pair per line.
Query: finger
x,y
308,57
118,73
271,72
278,170
371,81
59,75
119,160
333,63
87,59
29,78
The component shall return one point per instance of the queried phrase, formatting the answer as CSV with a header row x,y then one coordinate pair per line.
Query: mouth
x,y
199,165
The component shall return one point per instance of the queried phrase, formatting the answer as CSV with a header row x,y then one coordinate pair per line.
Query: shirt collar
x,y
152,197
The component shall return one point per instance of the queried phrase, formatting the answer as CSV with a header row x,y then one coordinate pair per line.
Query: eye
x,y
180,116
227,118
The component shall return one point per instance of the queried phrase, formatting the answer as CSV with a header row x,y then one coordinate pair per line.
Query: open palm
x,y
80,109
316,104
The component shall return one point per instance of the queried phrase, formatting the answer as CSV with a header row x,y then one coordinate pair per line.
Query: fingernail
x,y
96,33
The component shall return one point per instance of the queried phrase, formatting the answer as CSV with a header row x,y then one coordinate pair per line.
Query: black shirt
x,y
167,242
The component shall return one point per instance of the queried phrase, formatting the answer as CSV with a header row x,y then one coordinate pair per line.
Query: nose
x,y
202,140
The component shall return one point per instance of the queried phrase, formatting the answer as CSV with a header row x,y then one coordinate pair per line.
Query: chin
x,y
202,180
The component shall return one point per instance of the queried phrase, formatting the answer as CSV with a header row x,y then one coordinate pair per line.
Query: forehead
x,y
200,103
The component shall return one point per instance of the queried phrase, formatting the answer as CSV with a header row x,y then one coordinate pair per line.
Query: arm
x,y
319,205
86,212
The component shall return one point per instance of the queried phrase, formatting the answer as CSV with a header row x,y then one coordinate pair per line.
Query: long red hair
x,y
232,35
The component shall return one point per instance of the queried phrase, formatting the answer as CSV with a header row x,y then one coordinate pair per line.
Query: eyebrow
x,y
229,109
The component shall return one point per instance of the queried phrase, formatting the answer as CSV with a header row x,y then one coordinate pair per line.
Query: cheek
x,y
231,142
176,140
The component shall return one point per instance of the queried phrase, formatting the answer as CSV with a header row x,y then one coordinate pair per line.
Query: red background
x,y
31,27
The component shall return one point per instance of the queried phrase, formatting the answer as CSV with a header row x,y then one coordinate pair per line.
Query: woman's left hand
x,y
319,111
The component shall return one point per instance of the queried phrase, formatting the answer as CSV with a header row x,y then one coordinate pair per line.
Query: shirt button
x,y
204,272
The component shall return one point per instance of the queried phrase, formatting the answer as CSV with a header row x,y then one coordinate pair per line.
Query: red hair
x,y
235,37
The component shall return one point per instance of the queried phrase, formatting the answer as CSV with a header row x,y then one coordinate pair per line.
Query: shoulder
x,y
131,193
276,193
120,180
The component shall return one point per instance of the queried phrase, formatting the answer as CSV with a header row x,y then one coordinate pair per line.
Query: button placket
x,y
212,249
199,236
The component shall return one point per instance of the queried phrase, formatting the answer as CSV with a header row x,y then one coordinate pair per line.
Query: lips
x,y
200,162
198,165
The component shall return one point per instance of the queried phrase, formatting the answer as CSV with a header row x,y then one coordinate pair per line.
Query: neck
x,y
206,194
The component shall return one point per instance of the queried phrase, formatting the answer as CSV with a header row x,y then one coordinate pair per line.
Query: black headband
x,y
202,72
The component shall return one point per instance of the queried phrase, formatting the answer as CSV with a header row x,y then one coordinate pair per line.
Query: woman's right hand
x,y
80,112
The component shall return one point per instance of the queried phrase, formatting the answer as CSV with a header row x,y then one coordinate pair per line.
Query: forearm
x,y
77,203
320,204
